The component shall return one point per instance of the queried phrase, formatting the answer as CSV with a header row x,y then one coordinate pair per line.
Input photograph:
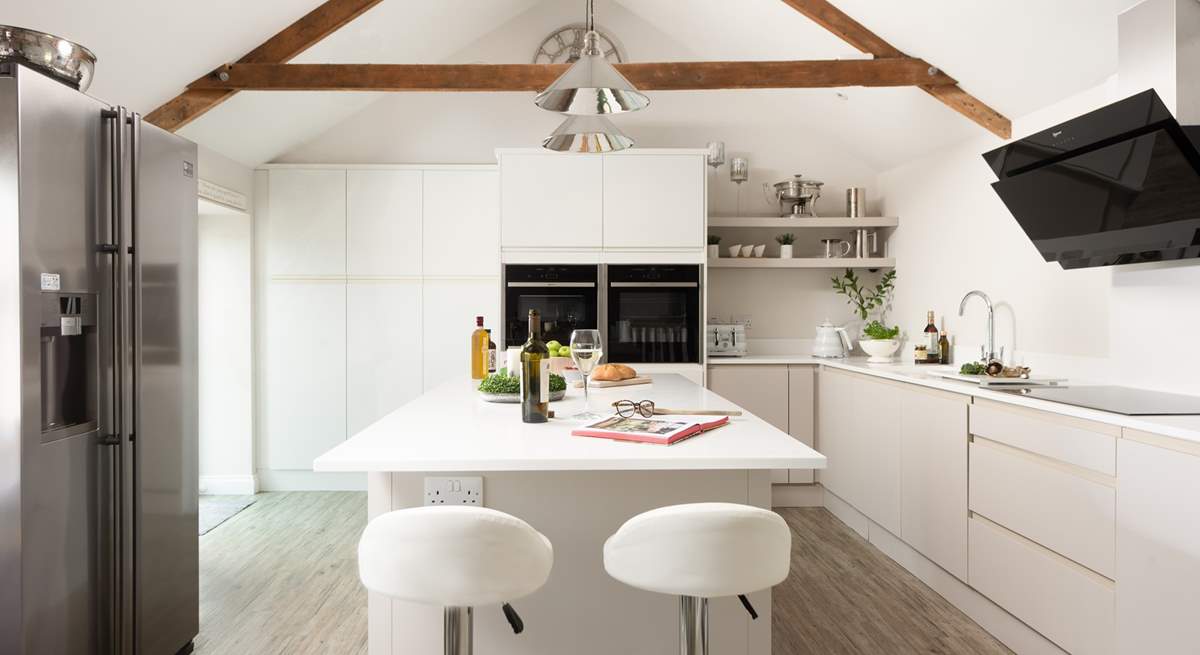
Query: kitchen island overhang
x,y
577,491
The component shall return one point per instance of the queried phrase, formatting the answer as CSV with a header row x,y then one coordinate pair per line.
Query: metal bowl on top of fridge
x,y
65,61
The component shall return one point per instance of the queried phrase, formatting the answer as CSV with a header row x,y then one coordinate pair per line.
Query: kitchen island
x,y
577,491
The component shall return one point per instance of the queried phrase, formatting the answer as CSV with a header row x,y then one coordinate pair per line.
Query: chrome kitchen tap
x,y
987,352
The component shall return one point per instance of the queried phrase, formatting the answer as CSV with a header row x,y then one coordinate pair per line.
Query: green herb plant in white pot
x,y
785,244
714,246
879,341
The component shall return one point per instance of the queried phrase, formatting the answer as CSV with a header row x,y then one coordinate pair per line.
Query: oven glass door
x,y
563,309
653,323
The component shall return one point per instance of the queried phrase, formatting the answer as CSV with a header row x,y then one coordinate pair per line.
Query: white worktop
x,y
1179,427
451,429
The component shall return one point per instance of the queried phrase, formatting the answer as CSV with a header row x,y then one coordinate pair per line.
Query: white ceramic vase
x,y
714,251
785,251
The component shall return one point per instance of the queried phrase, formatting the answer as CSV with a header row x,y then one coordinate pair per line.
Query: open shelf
x,y
802,222
802,262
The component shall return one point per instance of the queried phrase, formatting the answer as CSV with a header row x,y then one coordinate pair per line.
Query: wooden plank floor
x,y
280,577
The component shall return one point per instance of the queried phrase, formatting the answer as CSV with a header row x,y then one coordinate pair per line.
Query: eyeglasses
x,y
627,408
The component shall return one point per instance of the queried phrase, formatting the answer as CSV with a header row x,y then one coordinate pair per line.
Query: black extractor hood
x,y
1119,185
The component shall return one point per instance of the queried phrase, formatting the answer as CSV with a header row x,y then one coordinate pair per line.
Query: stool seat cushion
x,y
703,549
453,556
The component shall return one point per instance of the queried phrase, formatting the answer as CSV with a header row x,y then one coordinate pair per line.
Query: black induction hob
x,y
1119,400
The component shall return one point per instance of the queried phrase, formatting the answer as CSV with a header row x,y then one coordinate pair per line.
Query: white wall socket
x,y
454,491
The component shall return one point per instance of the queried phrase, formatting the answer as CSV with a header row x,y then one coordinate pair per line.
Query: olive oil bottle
x,y
535,374
479,349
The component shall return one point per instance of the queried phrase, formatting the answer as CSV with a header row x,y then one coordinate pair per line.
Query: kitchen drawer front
x,y
1066,509
1074,441
1070,605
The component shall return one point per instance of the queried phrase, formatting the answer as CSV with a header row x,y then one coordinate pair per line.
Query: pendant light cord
x,y
591,21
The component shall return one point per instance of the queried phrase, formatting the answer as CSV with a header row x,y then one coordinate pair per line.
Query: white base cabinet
x,y
778,394
933,476
1158,550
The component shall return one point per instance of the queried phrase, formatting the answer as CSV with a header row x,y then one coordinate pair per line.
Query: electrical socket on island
x,y
454,491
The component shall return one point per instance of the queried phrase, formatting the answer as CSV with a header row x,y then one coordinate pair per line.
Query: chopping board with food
x,y
614,375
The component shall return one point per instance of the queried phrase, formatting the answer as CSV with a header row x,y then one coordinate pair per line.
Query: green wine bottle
x,y
535,374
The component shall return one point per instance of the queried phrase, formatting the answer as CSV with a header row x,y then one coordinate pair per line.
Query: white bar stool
x,y
700,551
457,558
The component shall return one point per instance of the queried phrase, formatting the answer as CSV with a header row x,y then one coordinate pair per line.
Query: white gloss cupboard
x,y
1158,547
627,204
551,200
371,278
654,201
383,223
304,372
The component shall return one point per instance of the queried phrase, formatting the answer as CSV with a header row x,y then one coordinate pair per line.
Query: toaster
x,y
726,340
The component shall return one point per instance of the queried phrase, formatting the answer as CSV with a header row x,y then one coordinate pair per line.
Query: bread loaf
x,y
613,373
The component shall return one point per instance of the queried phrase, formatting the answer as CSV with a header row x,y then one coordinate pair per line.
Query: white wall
x,y
1119,325
226,337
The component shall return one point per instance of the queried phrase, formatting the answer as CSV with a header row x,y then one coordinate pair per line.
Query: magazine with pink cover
x,y
660,430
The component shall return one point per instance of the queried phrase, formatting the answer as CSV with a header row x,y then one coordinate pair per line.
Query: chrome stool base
x,y
693,625
457,629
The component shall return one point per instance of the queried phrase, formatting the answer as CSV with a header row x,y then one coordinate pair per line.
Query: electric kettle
x,y
832,341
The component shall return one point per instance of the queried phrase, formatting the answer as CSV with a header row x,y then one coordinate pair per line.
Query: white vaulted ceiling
x,y
1016,55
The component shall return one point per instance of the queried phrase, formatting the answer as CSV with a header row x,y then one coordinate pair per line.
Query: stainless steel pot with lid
x,y
65,61
797,196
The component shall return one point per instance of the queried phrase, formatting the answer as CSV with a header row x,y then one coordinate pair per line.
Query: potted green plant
x,y
714,249
785,244
878,340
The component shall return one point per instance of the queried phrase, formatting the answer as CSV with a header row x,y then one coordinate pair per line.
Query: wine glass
x,y
586,350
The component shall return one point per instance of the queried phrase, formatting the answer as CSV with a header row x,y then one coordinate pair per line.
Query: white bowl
x,y
759,250
747,251
735,250
880,351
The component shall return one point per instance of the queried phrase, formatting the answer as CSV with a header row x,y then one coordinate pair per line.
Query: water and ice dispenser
x,y
68,364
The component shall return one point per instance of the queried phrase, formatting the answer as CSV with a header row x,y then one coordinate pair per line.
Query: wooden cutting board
x,y
600,384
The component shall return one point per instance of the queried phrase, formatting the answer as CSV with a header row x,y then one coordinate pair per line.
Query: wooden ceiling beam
x,y
281,48
671,76
851,31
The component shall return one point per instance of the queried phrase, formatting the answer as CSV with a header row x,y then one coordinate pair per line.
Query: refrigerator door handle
x,y
133,479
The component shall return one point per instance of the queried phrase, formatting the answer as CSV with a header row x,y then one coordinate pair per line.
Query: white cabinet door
x,y
383,223
305,381
801,410
461,227
383,349
760,390
859,433
1158,549
551,201
449,308
306,222
933,494
654,201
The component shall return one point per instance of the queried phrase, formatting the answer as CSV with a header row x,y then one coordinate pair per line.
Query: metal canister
x,y
856,202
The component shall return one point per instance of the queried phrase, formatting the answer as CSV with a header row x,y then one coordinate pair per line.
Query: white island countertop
x,y
450,428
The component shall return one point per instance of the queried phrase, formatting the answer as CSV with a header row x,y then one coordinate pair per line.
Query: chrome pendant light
x,y
590,134
591,86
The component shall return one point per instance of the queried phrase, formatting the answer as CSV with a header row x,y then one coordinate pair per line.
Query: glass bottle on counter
x,y
479,342
931,338
943,348
491,353
535,374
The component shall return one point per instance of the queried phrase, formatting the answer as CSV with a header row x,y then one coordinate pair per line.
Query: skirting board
x,y
280,480
228,485
990,616
797,495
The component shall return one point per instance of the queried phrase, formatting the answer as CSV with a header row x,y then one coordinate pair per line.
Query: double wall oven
x,y
648,314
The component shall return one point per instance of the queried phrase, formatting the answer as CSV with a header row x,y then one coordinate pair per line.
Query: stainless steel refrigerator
x,y
98,382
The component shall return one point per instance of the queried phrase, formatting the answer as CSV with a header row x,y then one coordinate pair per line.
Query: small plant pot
x,y
735,250
879,351
785,251
714,251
